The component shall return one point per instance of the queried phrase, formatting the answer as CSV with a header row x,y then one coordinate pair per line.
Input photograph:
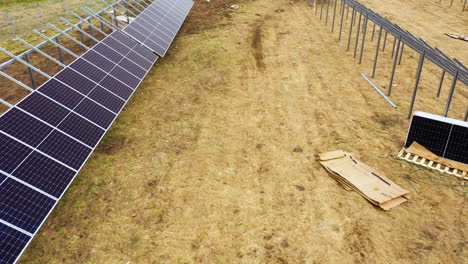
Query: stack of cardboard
x,y
368,182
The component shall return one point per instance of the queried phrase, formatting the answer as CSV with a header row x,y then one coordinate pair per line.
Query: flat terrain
x,y
213,160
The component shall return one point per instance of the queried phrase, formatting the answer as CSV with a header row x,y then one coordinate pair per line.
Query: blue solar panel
x,y
43,108
95,113
116,45
24,127
88,70
99,61
61,93
64,120
157,26
12,243
133,68
117,87
81,129
107,99
158,48
130,43
23,206
65,149
125,77
146,53
44,174
144,63
108,52
75,80
11,153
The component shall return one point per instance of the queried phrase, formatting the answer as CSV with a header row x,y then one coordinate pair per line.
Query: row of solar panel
x,y
49,135
157,25
442,137
46,138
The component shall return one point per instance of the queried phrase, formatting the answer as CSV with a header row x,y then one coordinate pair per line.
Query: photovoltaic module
x,y
47,137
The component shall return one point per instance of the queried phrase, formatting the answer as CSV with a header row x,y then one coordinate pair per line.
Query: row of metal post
x,y
397,50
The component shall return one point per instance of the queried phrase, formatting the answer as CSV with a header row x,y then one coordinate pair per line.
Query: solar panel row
x,y
47,137
157,25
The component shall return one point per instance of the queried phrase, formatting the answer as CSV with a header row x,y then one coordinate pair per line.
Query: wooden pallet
x,y
410,157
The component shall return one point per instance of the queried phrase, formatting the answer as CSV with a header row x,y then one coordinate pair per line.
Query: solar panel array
x,y
445,137
47,137
157,25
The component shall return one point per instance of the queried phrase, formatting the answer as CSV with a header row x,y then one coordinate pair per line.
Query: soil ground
x,y
213,160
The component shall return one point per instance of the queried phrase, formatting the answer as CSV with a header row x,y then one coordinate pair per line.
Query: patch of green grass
x,y
16,3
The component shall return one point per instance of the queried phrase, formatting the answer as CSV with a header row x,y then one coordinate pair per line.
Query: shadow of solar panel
x,y
65,149
11,153
22,206
24,127
44,174
44,108
61,93
76,81
12,243
81,129
95,113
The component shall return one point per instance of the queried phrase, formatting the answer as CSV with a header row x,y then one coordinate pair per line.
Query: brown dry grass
x,y
205,163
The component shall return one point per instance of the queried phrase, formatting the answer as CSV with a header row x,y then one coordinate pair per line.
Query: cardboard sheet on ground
x,y
368,182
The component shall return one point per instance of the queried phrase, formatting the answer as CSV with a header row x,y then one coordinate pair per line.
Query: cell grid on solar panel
x,y
22,206
12,243
457,147
81,129
24,127
429,133
125,77
61,93
43,108
65,149
44,174
107,99
117,87
99,61
75,80
95,113
108,52
12,153
135,69
88,70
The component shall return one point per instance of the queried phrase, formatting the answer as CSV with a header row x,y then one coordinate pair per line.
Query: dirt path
x,y
213,160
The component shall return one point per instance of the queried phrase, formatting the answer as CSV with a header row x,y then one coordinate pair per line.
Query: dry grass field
x,y
213,160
